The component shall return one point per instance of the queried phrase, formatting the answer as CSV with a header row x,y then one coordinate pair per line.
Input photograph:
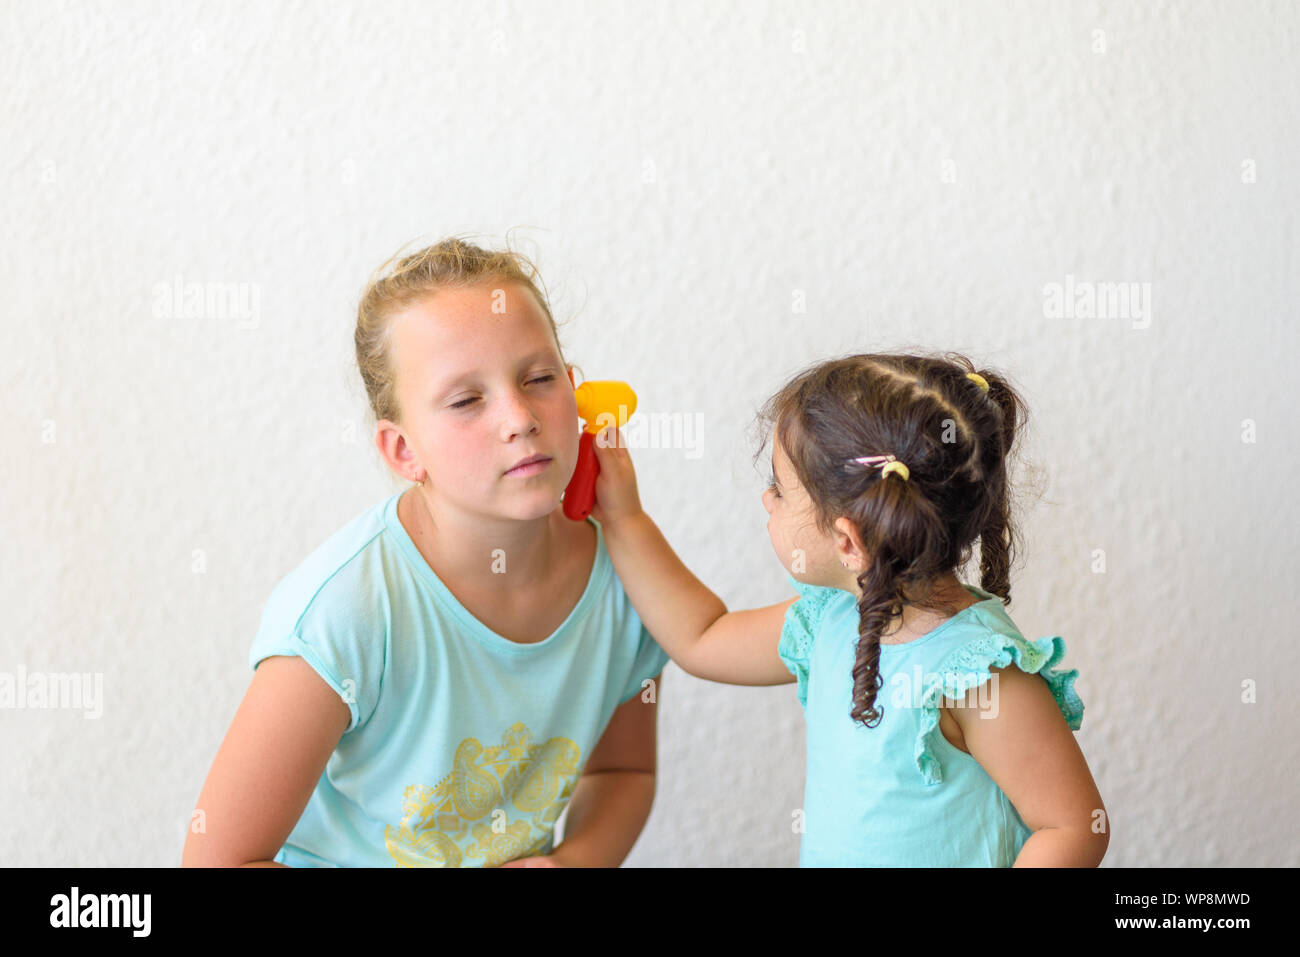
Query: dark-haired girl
x,y
938,735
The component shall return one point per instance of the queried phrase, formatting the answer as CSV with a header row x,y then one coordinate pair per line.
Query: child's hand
x,y
616,495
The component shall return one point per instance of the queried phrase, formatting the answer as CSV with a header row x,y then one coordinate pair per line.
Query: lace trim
x,y
802,621
969,666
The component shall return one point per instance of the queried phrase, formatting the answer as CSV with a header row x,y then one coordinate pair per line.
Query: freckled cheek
x,y
563,424
463,455
564,417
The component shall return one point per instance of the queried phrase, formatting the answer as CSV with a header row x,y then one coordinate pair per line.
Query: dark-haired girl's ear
x,y
848,545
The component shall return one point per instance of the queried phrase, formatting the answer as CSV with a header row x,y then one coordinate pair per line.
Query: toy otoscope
x,y
600,405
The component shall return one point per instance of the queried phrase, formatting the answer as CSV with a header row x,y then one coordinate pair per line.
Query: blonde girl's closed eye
x,y
468,402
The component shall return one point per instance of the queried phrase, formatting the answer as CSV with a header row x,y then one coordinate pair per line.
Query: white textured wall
x,y
683,171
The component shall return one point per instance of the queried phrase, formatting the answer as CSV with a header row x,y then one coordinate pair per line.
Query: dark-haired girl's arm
x,y
688,620
1024,744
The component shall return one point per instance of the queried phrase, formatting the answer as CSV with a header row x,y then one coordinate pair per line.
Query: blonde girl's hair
x,y
404,279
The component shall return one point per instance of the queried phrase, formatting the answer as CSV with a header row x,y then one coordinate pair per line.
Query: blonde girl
x,y
451,669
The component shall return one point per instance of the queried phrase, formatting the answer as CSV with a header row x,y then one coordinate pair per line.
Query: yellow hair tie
x,y
979,380
890,464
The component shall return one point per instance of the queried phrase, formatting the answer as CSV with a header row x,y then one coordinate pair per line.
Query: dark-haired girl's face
x,y
482,385
802,548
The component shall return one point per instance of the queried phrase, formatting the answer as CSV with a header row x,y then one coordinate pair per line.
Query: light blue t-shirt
x,y
900,794
464,746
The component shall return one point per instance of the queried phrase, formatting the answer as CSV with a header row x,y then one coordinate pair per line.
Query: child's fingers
x,y
611,438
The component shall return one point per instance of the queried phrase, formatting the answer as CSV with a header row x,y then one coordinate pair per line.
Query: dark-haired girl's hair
x,y
954,439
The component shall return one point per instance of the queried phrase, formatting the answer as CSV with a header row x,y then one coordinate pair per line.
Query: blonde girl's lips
x,y
533,468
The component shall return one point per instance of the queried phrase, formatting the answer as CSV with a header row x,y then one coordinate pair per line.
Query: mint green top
x,y
900,794
463,746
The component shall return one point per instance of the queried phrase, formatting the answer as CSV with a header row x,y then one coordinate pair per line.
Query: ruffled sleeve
x,y
802,621
968,667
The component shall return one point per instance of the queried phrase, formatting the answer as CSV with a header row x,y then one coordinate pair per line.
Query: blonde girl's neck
x,y
491,556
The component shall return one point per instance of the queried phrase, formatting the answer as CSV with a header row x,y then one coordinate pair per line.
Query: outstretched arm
x,y
688,620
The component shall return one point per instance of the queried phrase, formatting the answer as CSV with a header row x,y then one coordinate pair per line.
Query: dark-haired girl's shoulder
x,y
803,621
985,639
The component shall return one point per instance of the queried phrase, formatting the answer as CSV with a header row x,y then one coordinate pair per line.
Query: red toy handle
x,y
580,494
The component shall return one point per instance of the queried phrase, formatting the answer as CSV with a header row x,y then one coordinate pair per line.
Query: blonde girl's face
x,y
481,386
805,552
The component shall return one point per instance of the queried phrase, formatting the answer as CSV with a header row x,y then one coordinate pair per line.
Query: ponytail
x,y
914,524
997,537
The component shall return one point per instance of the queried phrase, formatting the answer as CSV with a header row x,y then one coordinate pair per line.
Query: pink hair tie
x,y
890,463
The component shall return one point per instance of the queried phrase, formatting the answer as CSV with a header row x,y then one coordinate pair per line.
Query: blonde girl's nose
x,y
518,417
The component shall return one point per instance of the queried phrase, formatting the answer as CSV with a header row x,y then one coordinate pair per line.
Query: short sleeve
x,y
967,667
650,661
348,658
803,619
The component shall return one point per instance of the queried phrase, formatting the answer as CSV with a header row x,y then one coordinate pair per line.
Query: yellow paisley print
x,y
497,804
